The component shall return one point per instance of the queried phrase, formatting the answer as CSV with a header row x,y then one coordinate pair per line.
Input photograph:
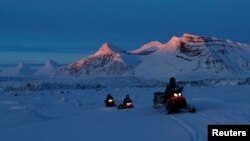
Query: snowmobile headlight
x,y
129,104
110,100
175,94
179,94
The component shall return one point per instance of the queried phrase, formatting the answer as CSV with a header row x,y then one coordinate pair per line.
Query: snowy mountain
x,y
148,48
196,56
108,60
21,69
189,56
48,69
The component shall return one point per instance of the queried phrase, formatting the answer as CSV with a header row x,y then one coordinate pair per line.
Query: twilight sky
x,y
34,31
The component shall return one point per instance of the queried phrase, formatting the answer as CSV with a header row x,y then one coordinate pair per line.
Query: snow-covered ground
x,y
76,114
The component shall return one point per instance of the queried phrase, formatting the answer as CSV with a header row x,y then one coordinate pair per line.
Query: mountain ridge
x,y
108,60
196,54
187,56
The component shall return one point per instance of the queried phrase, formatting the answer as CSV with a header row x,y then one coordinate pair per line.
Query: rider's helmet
x,y
109,95
172,80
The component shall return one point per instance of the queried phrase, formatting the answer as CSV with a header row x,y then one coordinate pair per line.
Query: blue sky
x,y
67,30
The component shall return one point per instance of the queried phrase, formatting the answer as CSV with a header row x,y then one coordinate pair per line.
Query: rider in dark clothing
x,y
171,87
109,100
126,99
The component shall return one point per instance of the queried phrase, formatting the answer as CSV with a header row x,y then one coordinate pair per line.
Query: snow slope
x,y
79,114
192,56
187,57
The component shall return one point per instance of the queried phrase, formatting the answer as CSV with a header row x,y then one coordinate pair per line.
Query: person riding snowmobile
x,y
126,100
171,87
109,101
127,103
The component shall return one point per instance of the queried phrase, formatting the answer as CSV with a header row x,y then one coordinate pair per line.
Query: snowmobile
x,y
176,102
110,102
126,105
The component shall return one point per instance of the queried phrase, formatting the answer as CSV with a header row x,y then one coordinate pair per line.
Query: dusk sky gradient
x,y
34,31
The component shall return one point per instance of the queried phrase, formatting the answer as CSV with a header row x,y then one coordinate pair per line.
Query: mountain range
x,y
189,56
23,69
185,57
